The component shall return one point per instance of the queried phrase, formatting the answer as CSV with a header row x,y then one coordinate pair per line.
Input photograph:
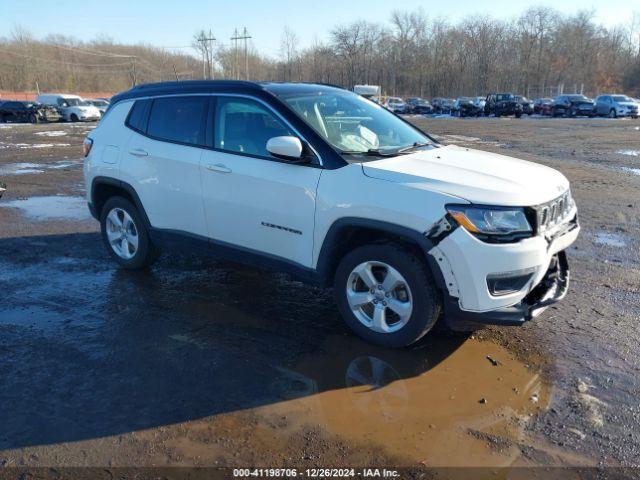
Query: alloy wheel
x,y
122,233
379,297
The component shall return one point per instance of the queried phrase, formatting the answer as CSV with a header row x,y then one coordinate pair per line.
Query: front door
x,y
252,199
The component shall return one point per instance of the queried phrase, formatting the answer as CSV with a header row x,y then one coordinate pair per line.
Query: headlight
x,y
492,223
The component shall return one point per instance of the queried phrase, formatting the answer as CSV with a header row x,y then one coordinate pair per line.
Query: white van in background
x,y
72,107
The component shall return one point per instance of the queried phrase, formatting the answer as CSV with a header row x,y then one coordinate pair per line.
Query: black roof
x,y
213,86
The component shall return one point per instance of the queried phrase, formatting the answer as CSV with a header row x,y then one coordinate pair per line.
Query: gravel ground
x,y
204,363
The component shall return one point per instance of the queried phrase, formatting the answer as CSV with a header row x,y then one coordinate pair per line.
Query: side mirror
x,y
286,148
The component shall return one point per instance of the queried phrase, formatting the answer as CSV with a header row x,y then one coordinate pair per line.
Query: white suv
x,y
72,107
334,189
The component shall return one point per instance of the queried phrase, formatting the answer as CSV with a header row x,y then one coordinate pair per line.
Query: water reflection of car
x,y
418,105
527,105
100,104
502,104
539,105
574,105
26,111
616,106
465,107
396,105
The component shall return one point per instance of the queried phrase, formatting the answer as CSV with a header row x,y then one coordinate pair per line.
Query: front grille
x,y
554,212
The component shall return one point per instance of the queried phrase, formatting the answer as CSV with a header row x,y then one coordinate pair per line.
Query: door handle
x,y
138,152
218,167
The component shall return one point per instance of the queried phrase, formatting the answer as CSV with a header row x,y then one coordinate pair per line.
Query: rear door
x,y
252,199
162,159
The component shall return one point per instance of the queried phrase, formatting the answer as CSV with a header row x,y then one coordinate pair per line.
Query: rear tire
x,y
386,294
125,235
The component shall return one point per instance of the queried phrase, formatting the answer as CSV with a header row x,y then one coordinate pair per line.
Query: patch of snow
x,y
635,171
31,168
609,239
20,169
631,153
48,207
51,133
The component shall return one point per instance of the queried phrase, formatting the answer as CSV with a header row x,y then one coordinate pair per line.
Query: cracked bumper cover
x,y
553,288
464,263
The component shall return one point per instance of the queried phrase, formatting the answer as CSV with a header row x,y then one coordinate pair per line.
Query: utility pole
x,y
133,72
245,37
207,54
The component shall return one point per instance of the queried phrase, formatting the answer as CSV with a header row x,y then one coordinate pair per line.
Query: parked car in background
x,y
72,107
527,105
442,105
100,104
616,105
480,102
465,107
539,104
574,105
396,105
26,111
418,105
502,104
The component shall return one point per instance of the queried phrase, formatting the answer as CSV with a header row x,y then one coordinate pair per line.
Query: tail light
x,y
86,146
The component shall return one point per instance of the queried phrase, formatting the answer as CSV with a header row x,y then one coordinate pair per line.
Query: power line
x,y
97,53
72,64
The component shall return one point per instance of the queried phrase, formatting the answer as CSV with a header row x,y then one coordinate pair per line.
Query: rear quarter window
x,y
138,116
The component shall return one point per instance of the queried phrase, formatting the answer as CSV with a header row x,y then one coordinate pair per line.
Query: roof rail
x,y
195,84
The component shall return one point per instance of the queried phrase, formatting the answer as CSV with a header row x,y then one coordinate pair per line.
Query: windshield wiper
x,y
408,148
372,152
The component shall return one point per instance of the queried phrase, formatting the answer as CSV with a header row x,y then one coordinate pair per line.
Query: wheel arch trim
x,y
114,182
327,260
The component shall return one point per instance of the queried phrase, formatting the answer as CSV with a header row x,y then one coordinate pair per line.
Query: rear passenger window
x,y
245,126
178,119
137,116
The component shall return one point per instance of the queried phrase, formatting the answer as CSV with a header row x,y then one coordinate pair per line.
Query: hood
x,y
477,176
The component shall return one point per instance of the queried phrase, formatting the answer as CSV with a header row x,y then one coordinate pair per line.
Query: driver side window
x,y
245,126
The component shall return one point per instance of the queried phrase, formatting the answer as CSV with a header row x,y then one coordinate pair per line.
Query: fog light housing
x,y
505,283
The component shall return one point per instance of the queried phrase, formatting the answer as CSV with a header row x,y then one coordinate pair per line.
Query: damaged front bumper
x,y
553,288
501,284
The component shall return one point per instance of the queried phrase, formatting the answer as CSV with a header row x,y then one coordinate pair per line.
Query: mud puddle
x,y
51,207
434,406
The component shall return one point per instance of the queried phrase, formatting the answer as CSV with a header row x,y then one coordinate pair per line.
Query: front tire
x,y
125,235
74,117
386,294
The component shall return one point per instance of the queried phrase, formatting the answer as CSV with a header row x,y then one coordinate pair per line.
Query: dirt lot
x,y
203,363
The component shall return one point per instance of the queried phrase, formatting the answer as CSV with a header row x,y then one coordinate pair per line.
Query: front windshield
x,y
577,97
621,98
75,102
354,125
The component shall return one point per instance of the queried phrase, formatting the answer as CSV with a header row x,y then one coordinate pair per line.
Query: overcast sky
x,y
172,23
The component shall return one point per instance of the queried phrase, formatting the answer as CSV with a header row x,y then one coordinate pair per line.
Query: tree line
x,y
411,54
